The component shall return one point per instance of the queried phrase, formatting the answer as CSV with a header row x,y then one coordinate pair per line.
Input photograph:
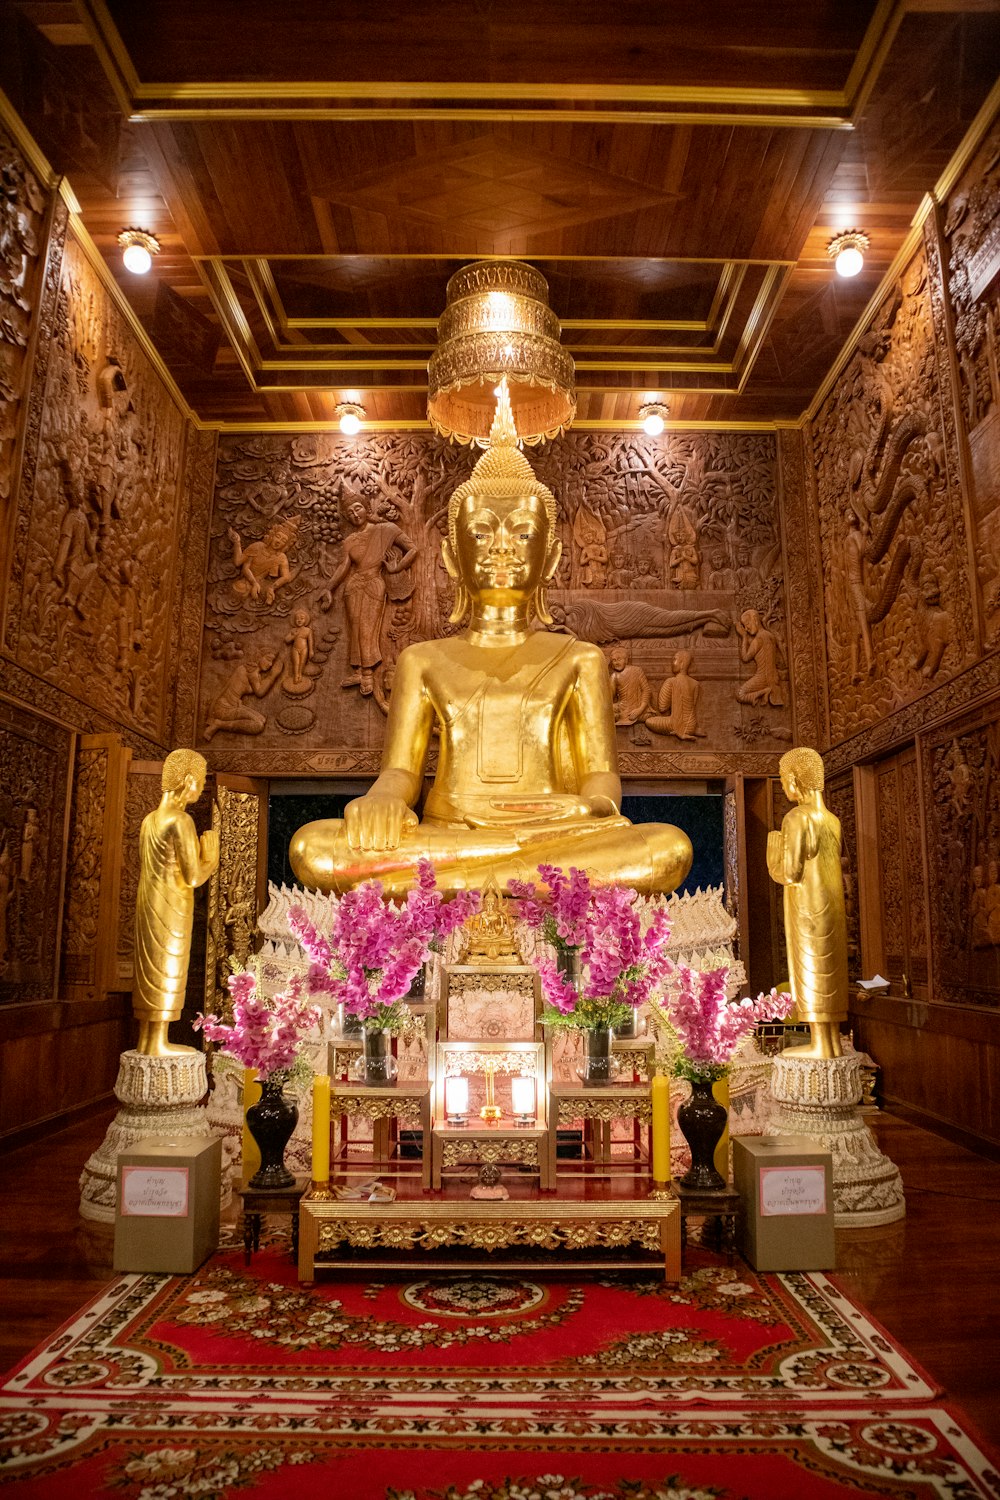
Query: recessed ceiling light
x,y
847,251
138,249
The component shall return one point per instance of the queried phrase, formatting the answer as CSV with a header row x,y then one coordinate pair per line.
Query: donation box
x,y
785,1185
167,1218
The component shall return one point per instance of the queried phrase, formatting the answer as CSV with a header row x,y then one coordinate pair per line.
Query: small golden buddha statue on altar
x,y
490,931
803,857
527,770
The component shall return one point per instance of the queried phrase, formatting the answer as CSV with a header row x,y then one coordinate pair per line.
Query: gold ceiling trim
x,y
758,322
823,109
421,424
506,116
307,357
407,89
650,325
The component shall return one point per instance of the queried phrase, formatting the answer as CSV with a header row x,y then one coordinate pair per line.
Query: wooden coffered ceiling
x,y
315,173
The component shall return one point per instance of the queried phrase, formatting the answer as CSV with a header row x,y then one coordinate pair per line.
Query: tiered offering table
x,y
522,1224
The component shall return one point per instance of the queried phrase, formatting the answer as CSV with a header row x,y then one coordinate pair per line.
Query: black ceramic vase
x,y
597,1071
377,1060
271,1121
702,1120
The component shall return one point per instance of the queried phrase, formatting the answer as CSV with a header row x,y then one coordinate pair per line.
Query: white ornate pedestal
x,y
159,1098
820,1097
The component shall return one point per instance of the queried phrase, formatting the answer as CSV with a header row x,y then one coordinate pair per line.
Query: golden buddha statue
x,y
527,768
489,932
172,862
804,857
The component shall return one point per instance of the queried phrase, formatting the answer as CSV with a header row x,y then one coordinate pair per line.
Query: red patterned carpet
x,y
479,1386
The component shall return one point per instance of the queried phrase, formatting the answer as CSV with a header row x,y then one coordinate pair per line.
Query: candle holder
x,y
456,1101
522,1094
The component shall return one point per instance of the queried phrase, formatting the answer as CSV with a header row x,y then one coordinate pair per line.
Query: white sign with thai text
x,y
792,1190
154,1192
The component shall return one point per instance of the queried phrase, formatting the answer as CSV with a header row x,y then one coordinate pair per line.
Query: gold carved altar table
x,y
404,1228
598,1108
459,1146
406,1104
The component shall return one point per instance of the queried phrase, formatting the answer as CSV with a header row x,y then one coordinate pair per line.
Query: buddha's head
x,y
501,547
183,775
801,772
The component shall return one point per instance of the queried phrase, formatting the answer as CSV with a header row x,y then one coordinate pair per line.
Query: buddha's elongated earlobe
x,y
538,606
460,608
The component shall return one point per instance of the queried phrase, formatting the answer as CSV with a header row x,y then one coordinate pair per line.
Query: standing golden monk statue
x,y
804,857
527,770
172,862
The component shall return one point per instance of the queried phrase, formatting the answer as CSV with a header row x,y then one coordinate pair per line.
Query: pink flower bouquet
x,y
607,963
265,1034
376,947
709,1027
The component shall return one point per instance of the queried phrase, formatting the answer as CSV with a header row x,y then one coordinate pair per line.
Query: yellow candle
x,y
720,1092
660,1093
321,1128
251,1151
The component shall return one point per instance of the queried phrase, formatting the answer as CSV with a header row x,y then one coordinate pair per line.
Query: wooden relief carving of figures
x,y
92,578
759,646
677,702
591,538
34,779
961,772
665,547
972,237
230,712
892,553
631,694
22,213
263,564
376,551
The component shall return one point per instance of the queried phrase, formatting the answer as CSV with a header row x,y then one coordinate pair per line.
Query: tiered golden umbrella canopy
x,y
497,322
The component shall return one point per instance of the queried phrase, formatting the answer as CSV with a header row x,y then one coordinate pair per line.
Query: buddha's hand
x,y
376,822
603,807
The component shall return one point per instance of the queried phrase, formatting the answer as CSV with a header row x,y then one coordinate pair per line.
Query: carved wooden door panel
x,y
901,872
238,889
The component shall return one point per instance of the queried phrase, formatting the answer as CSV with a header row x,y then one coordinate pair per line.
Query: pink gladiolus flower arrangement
x,y
709,1027
265,1034
599,931
376,946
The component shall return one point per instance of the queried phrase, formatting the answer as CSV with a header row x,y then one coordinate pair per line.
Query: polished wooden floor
x,y
931,1280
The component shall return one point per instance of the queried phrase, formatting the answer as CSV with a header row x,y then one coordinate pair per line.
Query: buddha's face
x,y
502,550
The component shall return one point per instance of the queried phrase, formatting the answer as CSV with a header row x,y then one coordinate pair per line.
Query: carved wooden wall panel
x,y
971,234
35,757
93,866
239,815
667,548
189,587
961,777
24,205
894,551
804,585
89,603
